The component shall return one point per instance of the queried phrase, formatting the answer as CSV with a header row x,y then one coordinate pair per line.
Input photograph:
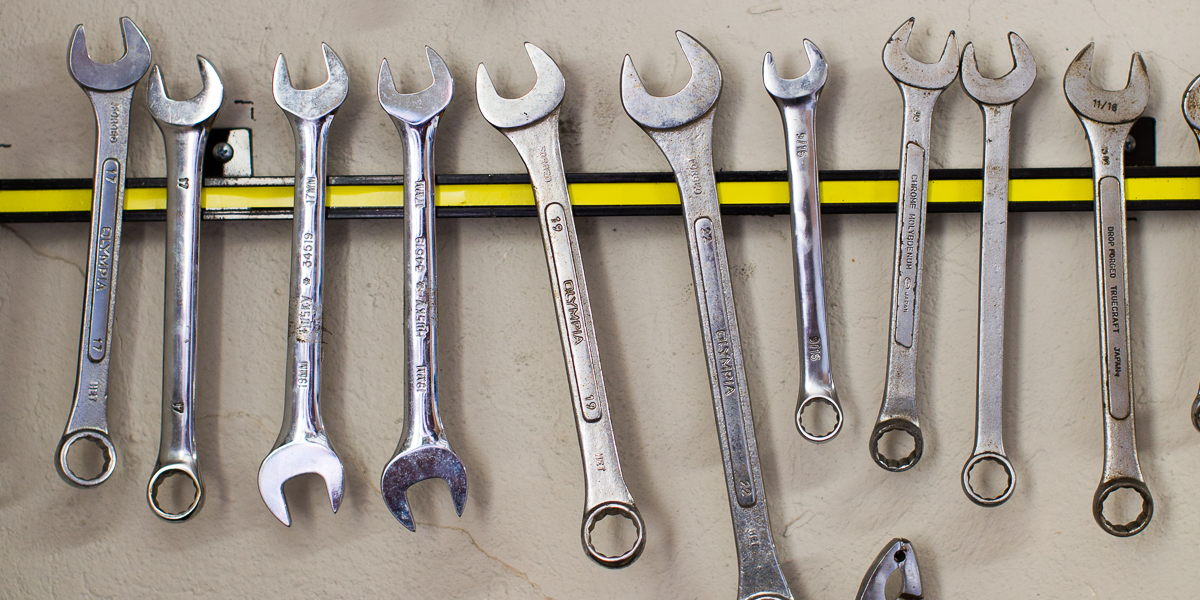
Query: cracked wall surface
x,y
503,386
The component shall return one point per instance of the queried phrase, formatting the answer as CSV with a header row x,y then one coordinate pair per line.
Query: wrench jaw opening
x,y
294,458
1139,522
810,84
910,71
613,509
1009,472
897,555
1005,89
420,107
412,466
317,102
681,108
198,110
509,113
161,473
100,438
912,429
111,77
1112,107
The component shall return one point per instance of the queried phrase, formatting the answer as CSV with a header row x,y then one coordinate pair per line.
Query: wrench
x,y
531,124
898,554
110,89
797,99
1107,116
921,84
681,126
1191,112
302,446
184,125
423,452
996,98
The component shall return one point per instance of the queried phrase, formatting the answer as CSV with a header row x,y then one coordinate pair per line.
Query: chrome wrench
x,y
1107,116
1191,112
302,446
996,98
797,99
531,124
110,89
423,452
681,126
921,84
184,125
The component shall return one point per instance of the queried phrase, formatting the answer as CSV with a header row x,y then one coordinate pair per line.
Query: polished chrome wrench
x,y
996,98
921,84
531,124
681,126
184,125
110,88
1191,112
302,446
1107,116
423,451
797,99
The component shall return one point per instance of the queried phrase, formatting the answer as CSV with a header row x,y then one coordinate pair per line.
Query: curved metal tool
x,y
531,124
110,89
681,126
797,99
996,98
1191,112
921,84
184,125
898,554
1107,116
423,451
302,446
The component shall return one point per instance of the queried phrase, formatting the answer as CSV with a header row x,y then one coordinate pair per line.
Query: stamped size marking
x,y
419,193
600,466
571,310
310,190
814,348
801,144
183,182
912,209
302,373
1105,105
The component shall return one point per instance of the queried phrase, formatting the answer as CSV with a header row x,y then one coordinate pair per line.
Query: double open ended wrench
x,y
184,125
423,451
302,446
921,84
110,89
797,101
681,126
1107,116
996,98
531,124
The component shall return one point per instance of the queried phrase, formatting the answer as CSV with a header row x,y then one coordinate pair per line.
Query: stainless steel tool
x,y
423,452
899,555
184,125
681,126
1107,116
302,446
996,98
1191,112
110,89
531,124
921,84
797,100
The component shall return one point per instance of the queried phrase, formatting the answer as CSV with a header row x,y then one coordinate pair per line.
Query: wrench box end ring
x,y
805,402
901,464
1133,527
160,475
622,509
1004,463
106,446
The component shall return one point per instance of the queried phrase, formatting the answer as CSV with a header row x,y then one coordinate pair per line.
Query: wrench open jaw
x,y
898,554
801,87
682,107
906,69
316,102
1007,88
417,108
193,111
510,113
1101,105
110,77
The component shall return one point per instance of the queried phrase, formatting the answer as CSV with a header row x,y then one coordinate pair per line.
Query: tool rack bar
x,y
602,194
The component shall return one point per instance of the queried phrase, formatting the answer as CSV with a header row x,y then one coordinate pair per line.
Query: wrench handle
x,y
89,411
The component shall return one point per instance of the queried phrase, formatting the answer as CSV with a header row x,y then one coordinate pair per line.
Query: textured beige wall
x,y
503,386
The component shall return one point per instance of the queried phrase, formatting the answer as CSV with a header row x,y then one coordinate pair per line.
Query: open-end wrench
x,y
531,124
898,554
996,98
184,125
1191,112
423,451
110,88
681,126
302,446
1107,116
797,99
921,84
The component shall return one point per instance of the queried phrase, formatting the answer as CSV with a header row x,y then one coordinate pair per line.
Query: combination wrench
x,y
302,446
423,451
681,126
897,555
797,100
921,84
184,125
531,124
1191,112
1107,117
110,89
996,98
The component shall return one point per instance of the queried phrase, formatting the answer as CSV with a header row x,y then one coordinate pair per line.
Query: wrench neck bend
x,y
302,413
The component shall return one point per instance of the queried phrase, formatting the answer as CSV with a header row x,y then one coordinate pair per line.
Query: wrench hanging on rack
x,y
681,126
184,125
531,124
110,88
1191,112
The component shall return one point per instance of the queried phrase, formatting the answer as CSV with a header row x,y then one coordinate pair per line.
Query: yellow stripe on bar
x,y
607,194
